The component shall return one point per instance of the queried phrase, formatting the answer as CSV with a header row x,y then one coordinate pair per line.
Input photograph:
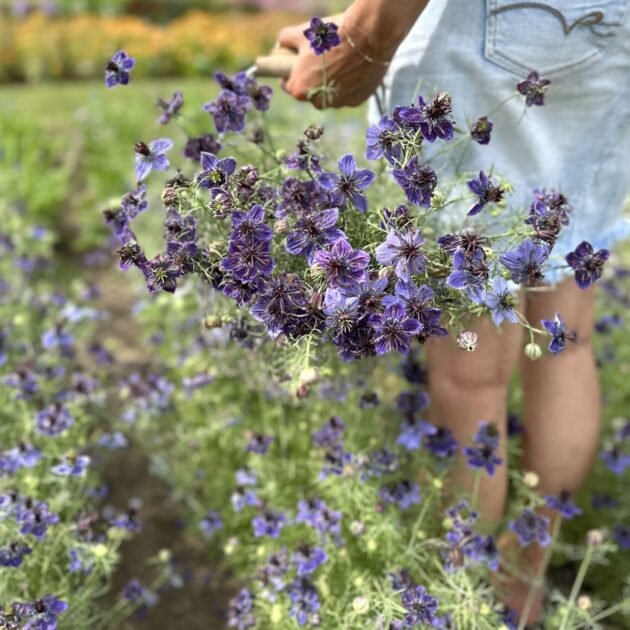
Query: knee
x,y
467,377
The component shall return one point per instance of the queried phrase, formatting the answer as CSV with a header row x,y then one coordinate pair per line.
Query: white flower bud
x,y
533,351
361,605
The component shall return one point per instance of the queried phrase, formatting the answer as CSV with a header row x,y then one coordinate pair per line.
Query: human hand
x,y
351,78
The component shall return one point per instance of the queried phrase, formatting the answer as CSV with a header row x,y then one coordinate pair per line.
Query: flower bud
x,y
438,484
361,605
595,537
164,555
533,351
437,200
372,546
531,479
618,423
357,528
314,133
281,226
308,376
584,602
230,546
281,154
212,322
467,340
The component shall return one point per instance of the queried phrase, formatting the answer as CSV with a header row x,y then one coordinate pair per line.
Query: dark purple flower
x,y
314,231
481,130
135,202
394,329
330,433
118,68
418,183
533,89
604,502
151,157
259,443
483,454
41,614
486,192
531,528
411,401
442,443
501,302
322,35
335,461
228,111
210,523
556,328
57,337
248,259
54,420
307,559
418,305
319,516
281,303
241,611
403,493
420,606
525,262
563,504
433,119
171,108
548,214
342,265
622,536
268,523
72,466
404,252
250,226
13,554
215,172
348,186
34,518
587,263
203,144
615,459
298,197
161,273
370,295
412,432
470,273
383,140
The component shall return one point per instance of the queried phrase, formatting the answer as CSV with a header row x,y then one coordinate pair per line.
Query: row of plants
x,y
42,47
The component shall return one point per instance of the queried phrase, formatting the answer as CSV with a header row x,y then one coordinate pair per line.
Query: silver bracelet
x,y
367,58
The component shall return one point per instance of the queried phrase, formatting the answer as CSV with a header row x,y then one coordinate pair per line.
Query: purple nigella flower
x,y
417,301
412,401
35,518
248,259
342,312
13,554
481,130
151,157
382,140
559,337
215,172
348,186
171,108
525,262
486,191
210,523
470,273
240,613
418,183
54,420
304,600
73,466
370,295
412,432
533,89
615,459
563,504
259,443
442,443
531,528
433,118
268,523
330,433
41,614
297,196
250,226
161,273
403,251
587,264
420,606
314,231
203,144
501,301
118,68
281,302
322,35
319,516
307,559
622,536
482,454
228,111
393,329
404,494
343,265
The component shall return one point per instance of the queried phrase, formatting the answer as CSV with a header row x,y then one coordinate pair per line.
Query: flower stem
x,y
529,602
475,491
577,585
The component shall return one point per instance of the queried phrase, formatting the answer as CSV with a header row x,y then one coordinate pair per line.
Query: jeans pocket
x,y
554,37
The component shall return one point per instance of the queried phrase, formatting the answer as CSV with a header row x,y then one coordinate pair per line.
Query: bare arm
x,y
375,27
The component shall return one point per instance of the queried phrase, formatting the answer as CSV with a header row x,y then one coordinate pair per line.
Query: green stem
x,y
529,602
610,611
577,585
420,519
501,104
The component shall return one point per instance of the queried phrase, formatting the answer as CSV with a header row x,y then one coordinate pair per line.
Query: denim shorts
x,y
577,143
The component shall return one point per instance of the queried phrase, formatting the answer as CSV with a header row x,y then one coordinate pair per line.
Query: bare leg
x,y
562,422
467,387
